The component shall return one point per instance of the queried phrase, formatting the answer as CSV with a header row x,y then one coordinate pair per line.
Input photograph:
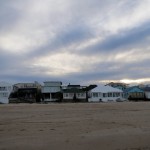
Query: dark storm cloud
x,y
125,39
131,38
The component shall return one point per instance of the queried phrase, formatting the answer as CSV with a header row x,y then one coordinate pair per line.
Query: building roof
x,y
133,89
70,85
147,89
105,89
5,84
53,82
27,85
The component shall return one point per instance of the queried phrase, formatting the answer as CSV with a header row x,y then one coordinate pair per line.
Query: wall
x,y
46,89
147,94
99,97
5,91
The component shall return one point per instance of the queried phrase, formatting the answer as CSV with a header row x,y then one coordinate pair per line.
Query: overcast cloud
x,y
82,41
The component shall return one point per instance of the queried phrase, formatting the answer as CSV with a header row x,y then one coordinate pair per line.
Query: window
x,y
141,94
114,94
138,94
71,95
3,89
109,94
117,94
78,95
104,94
4,94
100,94
95,94
134,94
82,94
66,95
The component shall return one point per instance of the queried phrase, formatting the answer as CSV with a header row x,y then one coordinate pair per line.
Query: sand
x,y
75,126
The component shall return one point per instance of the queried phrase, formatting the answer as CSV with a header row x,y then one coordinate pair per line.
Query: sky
x,y
75,41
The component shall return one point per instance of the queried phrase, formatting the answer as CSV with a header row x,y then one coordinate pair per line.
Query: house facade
x,y
26,93
5,90
106,94
147,92
51,91
74,93
134,93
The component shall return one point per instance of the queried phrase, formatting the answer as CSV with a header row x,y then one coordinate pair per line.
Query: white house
x,y
105,94
147,92
50,89
5,90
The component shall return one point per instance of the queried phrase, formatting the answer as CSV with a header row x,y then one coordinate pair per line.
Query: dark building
x,y
26,93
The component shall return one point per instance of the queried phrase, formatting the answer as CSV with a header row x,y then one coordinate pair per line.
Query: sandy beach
x,y
75,126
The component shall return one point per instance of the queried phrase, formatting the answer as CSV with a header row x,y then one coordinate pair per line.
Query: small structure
x,y
134,93
51,91
5,90
26,93
106,94
147,92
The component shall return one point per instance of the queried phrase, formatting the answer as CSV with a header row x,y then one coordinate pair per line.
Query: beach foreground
x,y
75,126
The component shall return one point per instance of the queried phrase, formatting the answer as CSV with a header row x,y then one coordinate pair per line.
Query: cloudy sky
x,y
75,41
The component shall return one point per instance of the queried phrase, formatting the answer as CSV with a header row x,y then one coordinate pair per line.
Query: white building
x,y
147,92
105,94
5,90
50,89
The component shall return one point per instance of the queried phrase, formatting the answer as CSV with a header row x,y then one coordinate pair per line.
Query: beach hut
x,y
106,94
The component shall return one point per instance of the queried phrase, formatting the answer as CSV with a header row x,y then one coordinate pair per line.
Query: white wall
x,y
46,89
100,97
5,91
71,95
147,94
68,95
96,97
